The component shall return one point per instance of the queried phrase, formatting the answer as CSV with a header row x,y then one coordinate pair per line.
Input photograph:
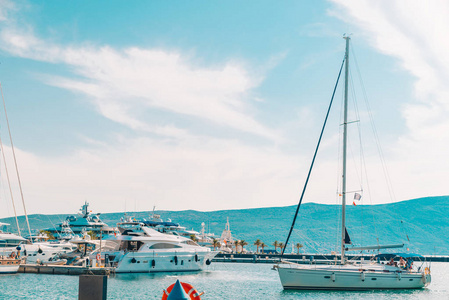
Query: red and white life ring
x,y
188,288
98,257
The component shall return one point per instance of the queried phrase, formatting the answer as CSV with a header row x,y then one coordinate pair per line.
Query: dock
x,y
64,270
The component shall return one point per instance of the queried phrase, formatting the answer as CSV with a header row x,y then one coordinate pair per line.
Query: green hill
x,y
424,221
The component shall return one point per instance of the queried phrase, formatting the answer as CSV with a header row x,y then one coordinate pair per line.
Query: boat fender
x,y
208,262
196,257
133,260
176,260
188,288
153,263
39,251
362,276
399,275
333,277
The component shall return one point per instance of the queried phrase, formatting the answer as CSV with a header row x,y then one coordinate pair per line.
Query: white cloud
x,y
123,82
202,174
182,171
414,32
186,171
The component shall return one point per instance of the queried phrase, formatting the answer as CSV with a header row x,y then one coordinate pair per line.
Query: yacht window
x,y
163,246
190,242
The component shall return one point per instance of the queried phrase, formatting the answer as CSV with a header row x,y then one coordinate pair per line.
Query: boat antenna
x,y
9,184
15,161
314,156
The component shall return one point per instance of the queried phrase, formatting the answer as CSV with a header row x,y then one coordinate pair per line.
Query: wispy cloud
x,y
414,32
211,172
124,82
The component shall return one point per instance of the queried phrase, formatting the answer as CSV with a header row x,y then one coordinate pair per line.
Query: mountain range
x,y
421,224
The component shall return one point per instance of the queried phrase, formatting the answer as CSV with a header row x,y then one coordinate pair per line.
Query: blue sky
x,y
214,105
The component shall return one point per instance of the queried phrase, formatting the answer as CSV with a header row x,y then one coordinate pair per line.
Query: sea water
x,y
218,281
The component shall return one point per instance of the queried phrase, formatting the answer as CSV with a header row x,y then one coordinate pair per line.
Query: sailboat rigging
x,y
352,275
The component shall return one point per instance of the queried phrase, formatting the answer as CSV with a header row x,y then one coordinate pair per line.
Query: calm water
x,y
219,281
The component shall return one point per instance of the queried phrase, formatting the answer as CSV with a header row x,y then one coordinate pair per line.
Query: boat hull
x,y
9,266
299,278
148,262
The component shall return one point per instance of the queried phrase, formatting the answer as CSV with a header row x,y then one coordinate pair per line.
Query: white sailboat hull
x,y
310,278
8,266
9,269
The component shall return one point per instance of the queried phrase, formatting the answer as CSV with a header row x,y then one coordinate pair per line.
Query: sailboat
x,y
346,274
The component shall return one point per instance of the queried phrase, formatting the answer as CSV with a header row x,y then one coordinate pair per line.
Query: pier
x,y
64,270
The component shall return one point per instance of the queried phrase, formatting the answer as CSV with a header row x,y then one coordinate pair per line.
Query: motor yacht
x,y
143,249
81,223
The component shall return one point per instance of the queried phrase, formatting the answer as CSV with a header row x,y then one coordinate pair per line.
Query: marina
x,y
293,150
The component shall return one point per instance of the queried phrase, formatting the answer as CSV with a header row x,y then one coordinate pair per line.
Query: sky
x,y
212,105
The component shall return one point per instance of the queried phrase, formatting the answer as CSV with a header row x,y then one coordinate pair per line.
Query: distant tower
x,y
226,236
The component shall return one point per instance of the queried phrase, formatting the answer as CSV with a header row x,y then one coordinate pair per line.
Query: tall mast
x,y
345,139
15,162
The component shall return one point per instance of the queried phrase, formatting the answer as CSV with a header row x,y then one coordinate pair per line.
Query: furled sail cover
x,y
347,238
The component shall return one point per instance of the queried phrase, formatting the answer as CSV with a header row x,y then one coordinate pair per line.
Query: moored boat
x,y
344,274
83,222
9,265
142,249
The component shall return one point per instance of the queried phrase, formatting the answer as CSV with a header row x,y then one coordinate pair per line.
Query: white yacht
x,y
143,249
45,252
347,275
168,226
77,225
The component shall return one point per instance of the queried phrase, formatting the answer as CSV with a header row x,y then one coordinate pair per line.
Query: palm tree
x,y
299,246
262,245
257,244
193,238
282,246
93,235
236,244
48,234
243,244
276,245
216,243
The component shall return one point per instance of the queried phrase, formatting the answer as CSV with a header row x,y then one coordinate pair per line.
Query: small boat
x,y
9,265
353,275
10,246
